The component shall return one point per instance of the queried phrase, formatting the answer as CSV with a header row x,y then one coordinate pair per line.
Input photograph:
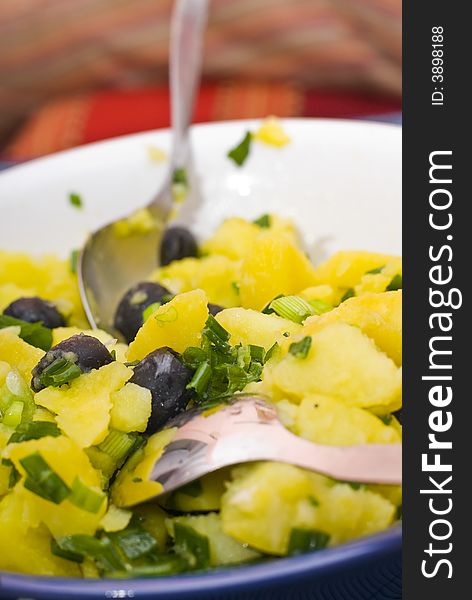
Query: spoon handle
x,y
187,29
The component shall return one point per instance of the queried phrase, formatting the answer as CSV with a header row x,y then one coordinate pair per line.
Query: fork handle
x,y
186,40
364,463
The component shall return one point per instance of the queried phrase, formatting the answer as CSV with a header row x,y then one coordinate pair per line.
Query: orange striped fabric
x,y
50,48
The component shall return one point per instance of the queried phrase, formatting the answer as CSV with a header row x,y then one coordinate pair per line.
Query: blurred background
x,y
77,71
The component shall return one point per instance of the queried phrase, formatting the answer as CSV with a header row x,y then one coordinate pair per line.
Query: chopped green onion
x,y
348,294
34,334
192,357
355,485
42,480
147,312
34,430
305,540
293,308
180,176
113,354
263,221
75,200
118,444
395,284
240,152
74,259
192,489
267,310
201,378
300,349
272,351
386,419
14,476
375,271
257,353
59,372
134,541
103,551
167,298
64,553
168,564
313,501
192,544
320,306
243,357
13,414
235,286
213,326
85,497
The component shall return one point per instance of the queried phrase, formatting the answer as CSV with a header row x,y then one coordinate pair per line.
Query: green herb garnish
x,y
147,312
201,378
386,419
300,349
192,545
42,480
305,540
240,152
395,284
85,497
350,293
375,271
293,308
263,221
134,541
33,333
180,176
59,372
34,430
75,200
74,258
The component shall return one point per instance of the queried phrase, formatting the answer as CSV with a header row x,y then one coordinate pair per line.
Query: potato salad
x,y
84,414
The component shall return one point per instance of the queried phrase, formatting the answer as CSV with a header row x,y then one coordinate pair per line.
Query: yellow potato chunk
x,y
265,501
48,277
68,461
131,408
133,484
234,239
26,549
19,353
346,268
248,326
274,266
177,324
378,315
324,420
345,364
83,407
215,275
272,133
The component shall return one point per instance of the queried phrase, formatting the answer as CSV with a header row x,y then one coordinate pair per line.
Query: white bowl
x,y
339,180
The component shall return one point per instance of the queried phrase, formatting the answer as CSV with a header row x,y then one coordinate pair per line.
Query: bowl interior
x,y
339,180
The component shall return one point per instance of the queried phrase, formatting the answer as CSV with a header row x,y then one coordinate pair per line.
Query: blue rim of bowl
x,y
352,555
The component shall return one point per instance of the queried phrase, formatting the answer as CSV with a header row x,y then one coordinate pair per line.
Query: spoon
x,y
110,262
249,430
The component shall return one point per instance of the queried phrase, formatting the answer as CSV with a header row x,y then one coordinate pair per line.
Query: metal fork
x,y
248,430
110,263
